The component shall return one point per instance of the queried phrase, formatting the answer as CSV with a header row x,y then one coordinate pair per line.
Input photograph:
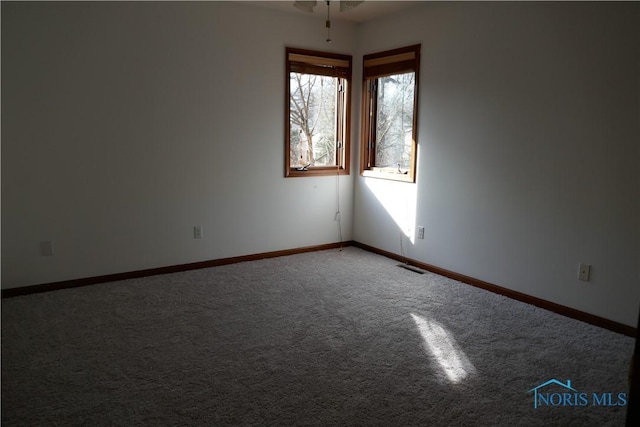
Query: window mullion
x,y
373,107
340,122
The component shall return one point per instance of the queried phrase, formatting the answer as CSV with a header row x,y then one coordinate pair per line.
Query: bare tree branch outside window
x,y
312,114
395,120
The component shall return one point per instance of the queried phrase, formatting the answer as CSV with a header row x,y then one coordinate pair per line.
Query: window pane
x,y
312,117
394,120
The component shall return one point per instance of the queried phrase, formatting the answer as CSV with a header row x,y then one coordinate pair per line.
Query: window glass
x,y
312,114
394,121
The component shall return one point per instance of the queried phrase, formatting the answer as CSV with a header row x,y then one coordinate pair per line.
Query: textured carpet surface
x,y
324,338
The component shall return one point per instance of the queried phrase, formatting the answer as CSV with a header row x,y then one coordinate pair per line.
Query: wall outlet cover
x,y
46,248
584,272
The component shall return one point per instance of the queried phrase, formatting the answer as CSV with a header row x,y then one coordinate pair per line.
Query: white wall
x,y
528,149
126,124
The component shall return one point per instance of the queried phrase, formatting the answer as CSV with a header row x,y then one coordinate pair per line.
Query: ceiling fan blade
x,y
306,6
348,5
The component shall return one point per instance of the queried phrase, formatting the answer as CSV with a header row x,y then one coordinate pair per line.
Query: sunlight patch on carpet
x,y
443,347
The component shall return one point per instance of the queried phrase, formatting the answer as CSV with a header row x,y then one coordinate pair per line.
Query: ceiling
x,y
366,11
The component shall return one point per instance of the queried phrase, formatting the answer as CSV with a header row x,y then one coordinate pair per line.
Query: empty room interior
x,y
223,177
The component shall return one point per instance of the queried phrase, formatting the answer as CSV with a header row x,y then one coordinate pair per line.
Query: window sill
x,y
389,174
317,171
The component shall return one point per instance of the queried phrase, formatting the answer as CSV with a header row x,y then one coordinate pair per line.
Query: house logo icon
x,y
546,398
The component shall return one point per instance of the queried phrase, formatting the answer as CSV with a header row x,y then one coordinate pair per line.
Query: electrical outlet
x,y
46,248
584,272
420,232
197,232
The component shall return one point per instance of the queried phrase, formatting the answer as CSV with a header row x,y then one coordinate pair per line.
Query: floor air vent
x,y
411,268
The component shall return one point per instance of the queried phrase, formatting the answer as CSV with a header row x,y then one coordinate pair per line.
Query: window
x,y
318,93
389,114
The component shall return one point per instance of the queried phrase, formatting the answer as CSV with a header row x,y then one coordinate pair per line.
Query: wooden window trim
x,y
326,64
378,65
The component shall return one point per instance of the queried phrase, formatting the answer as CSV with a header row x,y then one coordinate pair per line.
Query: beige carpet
x,y
324,338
